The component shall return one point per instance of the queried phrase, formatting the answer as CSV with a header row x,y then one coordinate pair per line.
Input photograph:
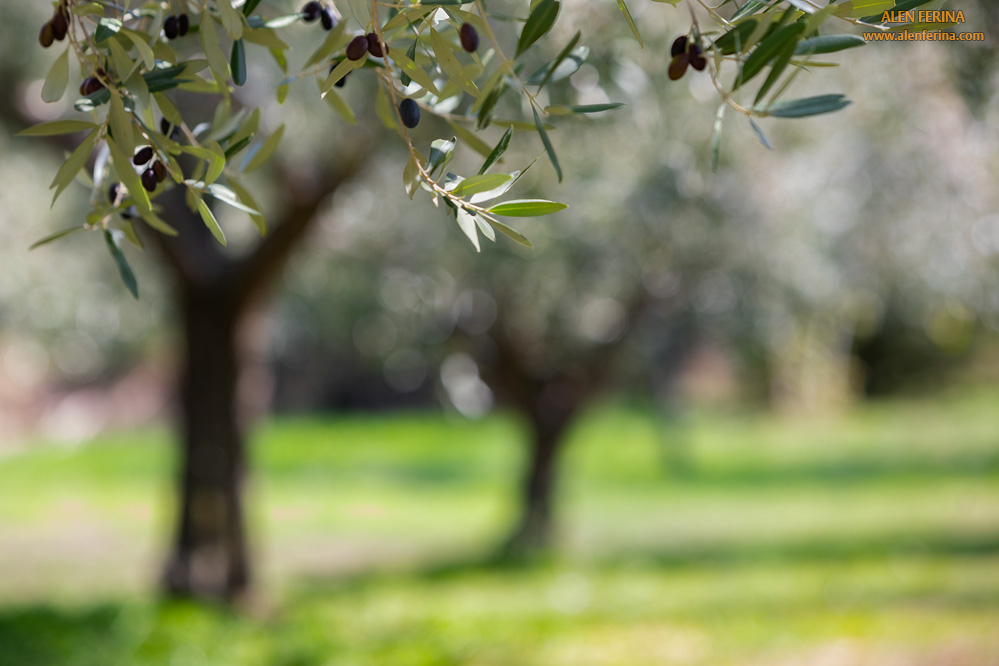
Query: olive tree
x,y
169,122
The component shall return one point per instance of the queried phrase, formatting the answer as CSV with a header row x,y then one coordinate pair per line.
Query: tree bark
x,y
216,292
210,558
534,531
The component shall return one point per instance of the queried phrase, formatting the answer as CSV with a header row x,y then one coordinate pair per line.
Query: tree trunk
x,y
210,557
535,529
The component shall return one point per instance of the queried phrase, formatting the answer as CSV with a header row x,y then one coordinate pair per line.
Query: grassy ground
x,y
718,539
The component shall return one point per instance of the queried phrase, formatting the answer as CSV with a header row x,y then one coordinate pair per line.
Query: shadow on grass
x,y
839,473
304,632
725,556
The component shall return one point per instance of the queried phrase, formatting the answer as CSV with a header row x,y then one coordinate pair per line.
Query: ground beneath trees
x,y
715,539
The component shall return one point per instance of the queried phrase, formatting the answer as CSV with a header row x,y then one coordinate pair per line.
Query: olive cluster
x,y
313,10
56,28
154,174
176,26
685,52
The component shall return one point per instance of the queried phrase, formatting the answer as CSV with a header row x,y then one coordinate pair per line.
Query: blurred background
x,y
744,417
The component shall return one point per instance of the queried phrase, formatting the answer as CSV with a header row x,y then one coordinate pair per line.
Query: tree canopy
x,y
472,66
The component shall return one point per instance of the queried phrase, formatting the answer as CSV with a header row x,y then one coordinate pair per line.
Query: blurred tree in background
x,y
856,257
772,259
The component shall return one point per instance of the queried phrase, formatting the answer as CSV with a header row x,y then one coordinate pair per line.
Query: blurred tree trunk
x,y
215,292
534,529
210,555
549,390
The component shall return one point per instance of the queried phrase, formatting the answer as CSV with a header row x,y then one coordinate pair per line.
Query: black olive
x,y
113,192
409,111
90,85
698,62
160,171
678,67
166,129
374,46
143,156
328,19
469,38
45,37
149,180
679,46
60,26
183,23
357,48
342,81
171,27
311,11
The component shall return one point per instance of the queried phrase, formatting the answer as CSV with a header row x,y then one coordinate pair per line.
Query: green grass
x,y
715,538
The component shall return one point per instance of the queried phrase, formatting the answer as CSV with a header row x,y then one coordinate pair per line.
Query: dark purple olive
x,y
679,46
409,111
45,37
149,180
89,86
143,156
60,26
128,214
183,23
160,170
113,192
166,129
678,67
328,19
171,27
311,11
469,38
343,80
697,60
357,48
374,46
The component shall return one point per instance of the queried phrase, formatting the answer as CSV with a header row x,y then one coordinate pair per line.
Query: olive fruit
x,y
113,192
697,60
374,46
45,37
409,111
143,156
343,80
679,46
59,27
89,86
311,11
167,129
149,180
171,27
328,19
357,48
183,23
678,66
160,170
469,38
